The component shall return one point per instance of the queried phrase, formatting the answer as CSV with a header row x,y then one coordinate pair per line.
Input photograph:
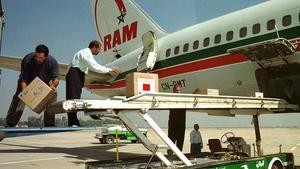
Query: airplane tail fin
x,y
120,25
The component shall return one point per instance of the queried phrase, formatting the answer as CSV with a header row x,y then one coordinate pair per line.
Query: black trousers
x,y
196,148
176,127
176,134
16,110
74,84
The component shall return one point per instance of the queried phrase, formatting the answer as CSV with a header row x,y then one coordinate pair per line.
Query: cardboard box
x,y
138,83
257,94
206,91
37,95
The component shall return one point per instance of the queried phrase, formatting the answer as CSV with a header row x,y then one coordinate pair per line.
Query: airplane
x,y
253,49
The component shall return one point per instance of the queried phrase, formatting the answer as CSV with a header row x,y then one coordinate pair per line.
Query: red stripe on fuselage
x,y
201,65
185,68
118,84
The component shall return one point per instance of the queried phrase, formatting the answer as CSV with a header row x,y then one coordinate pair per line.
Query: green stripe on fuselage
x,y
222,49
290,33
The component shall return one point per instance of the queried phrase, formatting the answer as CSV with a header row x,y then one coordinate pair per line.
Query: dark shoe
x,y
49,125
9,126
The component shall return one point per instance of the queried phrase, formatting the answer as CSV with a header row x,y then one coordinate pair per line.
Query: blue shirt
x,y
195,137
46,71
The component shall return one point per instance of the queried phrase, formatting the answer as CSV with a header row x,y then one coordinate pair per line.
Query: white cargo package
x,y
146,85
138,83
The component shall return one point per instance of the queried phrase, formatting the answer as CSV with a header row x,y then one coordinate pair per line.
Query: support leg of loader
x,y
166,139
257,135
142,137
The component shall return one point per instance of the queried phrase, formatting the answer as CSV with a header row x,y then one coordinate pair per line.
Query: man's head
x,y
196,127
197,91
95,47
41,54
176,89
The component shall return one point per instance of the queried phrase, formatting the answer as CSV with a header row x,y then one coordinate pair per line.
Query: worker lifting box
x,y
37,95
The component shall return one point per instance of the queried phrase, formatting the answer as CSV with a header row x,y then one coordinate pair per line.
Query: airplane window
x,y
229,36
287,20
271,24
185,47
206,42
196,44
176,50
256,28
217,39
168,52
243,32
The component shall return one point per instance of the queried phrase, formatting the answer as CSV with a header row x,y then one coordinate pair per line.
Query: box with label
x,y
138,83
257,94
206,91
37,95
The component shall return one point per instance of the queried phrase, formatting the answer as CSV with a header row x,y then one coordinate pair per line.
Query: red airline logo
x,y
122,10
120,36
146,87
121,6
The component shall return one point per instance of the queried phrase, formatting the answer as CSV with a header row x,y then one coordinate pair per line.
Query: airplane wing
x,y
14,63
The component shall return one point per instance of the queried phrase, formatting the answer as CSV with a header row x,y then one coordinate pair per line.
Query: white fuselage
x,y
210,65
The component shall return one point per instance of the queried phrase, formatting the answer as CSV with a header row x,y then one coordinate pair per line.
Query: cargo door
x,y
269,53
147,58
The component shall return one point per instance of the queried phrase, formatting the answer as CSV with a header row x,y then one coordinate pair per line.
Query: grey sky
x,y
67,26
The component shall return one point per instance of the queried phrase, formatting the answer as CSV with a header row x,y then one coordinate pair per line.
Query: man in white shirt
x,y
82,62
196,140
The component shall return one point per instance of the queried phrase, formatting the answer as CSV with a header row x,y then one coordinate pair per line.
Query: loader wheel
x,y
101,140
109,139
134,141
277,166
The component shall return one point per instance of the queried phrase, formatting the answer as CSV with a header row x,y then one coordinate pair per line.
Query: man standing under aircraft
x,y
36,64
176,125
196,140
82,62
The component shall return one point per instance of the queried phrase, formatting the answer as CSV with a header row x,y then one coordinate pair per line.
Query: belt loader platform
x,y
141,104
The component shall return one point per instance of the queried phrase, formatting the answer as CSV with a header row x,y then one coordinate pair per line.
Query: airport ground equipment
x,y
107,135
213,105
236,147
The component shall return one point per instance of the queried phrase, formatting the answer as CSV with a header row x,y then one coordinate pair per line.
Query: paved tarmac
x,y
73,149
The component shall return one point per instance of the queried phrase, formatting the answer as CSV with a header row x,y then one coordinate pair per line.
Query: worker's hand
x,y
114,71
23,85
54,90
